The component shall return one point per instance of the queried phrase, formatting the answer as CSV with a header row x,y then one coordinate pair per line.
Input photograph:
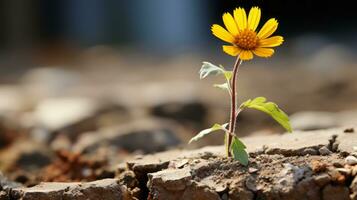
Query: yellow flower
x,y
241,33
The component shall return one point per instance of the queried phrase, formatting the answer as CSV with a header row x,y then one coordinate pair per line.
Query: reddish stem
x,y
232,121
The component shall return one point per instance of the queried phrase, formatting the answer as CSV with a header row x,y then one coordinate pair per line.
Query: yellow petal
x,y
264,52
231,50
268,29
254,18
241,18
230,24
246,55
222,33
271,42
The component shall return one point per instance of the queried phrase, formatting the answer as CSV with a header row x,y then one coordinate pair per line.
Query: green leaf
x,y
269,108
205,132
223,86
238,150
228,75
211,69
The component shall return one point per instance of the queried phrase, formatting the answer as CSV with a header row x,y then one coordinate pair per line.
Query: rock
x,y
313,120
310,151
296,143
324,151
193,112
252,170
108,189
25,154
131,137
6,186
351,160
322,179
4,195
331,192
41,83
177,184
289,176
72,116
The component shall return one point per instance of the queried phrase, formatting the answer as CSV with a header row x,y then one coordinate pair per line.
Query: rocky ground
x,y
302,165
96,134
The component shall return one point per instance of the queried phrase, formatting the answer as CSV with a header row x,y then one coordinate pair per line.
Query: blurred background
x,y
89,83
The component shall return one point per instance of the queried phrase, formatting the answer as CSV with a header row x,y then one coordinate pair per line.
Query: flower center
x,y
247,40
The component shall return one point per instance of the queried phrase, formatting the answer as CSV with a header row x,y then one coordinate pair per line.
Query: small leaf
x,y
269,108
228,75
223,86
205,132
238,150
210,69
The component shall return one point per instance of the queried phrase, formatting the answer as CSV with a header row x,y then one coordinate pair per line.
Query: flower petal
x,y
268,29
264,52
241,18
271,42
230,24
254,18
246,55
222,33
231,50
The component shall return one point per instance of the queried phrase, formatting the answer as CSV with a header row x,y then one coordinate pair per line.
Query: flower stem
x,y
233,115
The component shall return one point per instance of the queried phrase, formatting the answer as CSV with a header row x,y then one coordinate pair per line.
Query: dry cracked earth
x,y
303,165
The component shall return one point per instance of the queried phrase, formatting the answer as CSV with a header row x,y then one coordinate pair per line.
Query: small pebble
x,y
344,171
252,170
324,151
250,184
322,179
310,151
349,130
351,160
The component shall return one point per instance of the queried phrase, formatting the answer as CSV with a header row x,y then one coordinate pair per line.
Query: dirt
x,y
294,171
304,165
209,176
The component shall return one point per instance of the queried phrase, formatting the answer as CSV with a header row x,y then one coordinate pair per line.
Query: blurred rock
x,y
189,112
41,83
69,166
74,115
331,192
108,189
314,120
12,104
143,135
12,100
26,155
6,184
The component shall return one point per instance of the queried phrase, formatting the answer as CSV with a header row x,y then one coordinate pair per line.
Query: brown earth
x,y
303,165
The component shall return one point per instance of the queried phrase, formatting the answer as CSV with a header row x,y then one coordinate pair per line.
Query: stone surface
x,y
71,116
25,154
351,160
106,189
148,136
335,192
314,120
298,141
291,168
324,151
